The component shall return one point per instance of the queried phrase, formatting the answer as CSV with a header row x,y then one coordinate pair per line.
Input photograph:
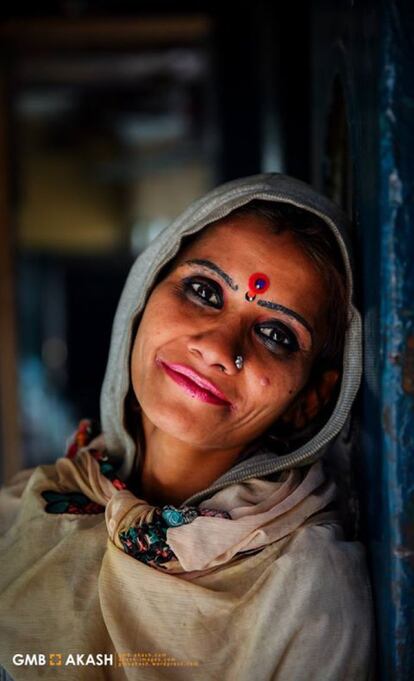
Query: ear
x,y
311,400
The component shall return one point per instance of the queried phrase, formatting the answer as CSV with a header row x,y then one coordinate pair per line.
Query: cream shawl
x,y
299,601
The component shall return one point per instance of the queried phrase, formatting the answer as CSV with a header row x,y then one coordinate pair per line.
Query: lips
x,y
194,384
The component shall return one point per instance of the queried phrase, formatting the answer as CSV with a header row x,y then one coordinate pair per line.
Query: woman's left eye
x,y
204,291
277,337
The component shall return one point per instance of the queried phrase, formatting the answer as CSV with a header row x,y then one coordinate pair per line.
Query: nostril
x,y
195,351
214,350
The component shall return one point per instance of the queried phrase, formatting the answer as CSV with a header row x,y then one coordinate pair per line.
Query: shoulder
x,y
328,583
320,584
330,569
324,543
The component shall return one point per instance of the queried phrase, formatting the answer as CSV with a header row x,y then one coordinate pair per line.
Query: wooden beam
x,y
107,33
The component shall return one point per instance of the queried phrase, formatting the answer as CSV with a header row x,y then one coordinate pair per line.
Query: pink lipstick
x,y
195,385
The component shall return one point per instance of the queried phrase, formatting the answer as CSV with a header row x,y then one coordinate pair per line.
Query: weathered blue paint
x,y
397,331
369,46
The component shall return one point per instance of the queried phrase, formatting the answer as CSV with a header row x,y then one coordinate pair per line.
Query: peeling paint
x,y
387,422
395,189
402,552
396,171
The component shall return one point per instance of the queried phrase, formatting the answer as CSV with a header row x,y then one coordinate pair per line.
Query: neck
x,y
172,470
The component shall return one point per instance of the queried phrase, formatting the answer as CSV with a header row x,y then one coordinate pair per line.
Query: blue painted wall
x,y
369,48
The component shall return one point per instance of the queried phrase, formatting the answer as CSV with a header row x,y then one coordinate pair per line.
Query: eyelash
x,y
287,341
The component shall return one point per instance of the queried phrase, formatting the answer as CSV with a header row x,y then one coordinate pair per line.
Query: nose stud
x,y
239,362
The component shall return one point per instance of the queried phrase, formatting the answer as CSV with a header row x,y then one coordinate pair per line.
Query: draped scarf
x,y
239,519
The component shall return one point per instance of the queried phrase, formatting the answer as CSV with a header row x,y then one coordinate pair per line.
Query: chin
x,y
186,424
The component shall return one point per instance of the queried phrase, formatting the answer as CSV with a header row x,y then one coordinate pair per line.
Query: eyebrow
x,y
287,311
215,268
208,264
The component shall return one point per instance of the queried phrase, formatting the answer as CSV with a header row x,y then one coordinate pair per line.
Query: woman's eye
x,y
207,292
277,337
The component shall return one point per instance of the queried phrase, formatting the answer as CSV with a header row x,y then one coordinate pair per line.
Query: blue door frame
x,y
395,552
370,47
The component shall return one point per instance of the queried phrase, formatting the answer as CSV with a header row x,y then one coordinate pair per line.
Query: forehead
x,y
247,244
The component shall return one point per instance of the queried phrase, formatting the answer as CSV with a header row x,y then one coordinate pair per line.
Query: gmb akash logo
x,y
58,660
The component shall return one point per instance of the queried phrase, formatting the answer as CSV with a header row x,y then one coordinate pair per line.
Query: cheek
x,y
146,335
161,323
154,324
279,387
136,367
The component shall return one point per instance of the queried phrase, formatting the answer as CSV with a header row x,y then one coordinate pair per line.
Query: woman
x,y
198,536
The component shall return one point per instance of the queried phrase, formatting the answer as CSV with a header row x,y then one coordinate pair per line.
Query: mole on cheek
x,y
264,381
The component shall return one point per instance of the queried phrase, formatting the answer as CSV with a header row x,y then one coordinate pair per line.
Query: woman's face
x,y
197,321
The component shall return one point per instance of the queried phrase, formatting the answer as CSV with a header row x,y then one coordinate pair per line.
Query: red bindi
x,y
258,284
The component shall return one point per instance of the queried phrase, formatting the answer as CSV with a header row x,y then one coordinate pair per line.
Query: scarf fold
x,y
241,518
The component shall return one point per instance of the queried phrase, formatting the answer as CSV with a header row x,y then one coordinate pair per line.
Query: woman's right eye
x,y
207,292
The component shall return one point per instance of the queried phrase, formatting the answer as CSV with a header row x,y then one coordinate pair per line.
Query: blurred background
x,y
114,116
114,120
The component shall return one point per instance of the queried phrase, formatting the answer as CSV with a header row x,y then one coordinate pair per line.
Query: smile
x,y
194,384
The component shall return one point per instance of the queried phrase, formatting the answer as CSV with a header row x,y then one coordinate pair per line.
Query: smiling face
x,y
198,320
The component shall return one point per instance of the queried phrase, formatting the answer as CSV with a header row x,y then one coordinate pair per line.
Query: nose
x,y
217,348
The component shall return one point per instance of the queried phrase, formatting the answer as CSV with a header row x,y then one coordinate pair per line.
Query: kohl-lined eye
x,y
205,290
277,337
